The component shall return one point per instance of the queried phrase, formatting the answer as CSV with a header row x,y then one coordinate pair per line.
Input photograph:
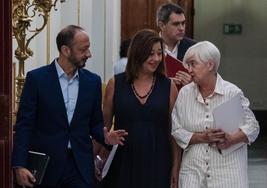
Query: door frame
x,y
5,93
188,6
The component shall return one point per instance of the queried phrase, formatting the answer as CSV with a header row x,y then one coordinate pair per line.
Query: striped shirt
x,y
203,166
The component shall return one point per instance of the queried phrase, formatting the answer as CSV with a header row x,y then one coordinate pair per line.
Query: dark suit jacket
x,y
42,123
185,43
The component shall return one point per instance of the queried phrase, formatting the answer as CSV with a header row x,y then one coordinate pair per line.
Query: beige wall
x,y
244,57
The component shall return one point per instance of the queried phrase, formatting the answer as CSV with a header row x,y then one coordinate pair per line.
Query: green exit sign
x,y
232,29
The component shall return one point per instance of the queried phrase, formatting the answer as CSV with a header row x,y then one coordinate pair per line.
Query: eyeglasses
x,y
191,64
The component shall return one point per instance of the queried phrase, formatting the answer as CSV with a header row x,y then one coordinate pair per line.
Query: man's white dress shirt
x,y
69,88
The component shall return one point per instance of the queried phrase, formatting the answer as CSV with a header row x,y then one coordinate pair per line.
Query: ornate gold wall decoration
x,y
25,12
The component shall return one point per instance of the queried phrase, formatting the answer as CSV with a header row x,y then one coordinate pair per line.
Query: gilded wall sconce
x,y
25,12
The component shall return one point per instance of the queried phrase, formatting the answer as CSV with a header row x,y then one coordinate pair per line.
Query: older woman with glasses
x,y
194,129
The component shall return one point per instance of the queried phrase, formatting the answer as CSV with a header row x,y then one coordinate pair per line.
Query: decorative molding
x,y
25,12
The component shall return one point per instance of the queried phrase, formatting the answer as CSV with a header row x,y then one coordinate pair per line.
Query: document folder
x,y
109,161
229,116
37,163
173,65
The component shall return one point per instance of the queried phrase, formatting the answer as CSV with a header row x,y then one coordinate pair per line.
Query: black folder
x,y
37,163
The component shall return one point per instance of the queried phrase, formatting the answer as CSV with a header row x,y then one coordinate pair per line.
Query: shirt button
x,y
207,151
207,116
206,127
207,163
208,175
207,104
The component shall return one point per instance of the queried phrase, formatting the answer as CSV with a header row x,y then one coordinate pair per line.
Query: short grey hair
x,y
164,12
205,51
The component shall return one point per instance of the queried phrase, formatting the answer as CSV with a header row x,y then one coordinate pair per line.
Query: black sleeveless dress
x,y
145,159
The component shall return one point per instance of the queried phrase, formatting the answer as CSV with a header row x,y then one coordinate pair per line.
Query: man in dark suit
x,y
171,21
59,114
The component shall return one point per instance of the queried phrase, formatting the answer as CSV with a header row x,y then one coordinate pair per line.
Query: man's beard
x,y
77,63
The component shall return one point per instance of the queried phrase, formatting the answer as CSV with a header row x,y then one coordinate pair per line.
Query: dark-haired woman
x,y
141,101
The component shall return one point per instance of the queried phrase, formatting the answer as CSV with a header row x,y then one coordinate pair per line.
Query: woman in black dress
x,y
141,100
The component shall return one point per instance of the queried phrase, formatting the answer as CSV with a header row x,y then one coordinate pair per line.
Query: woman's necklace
x,y
148,93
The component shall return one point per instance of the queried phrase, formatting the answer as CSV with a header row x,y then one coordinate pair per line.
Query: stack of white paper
x,y
229,117
109,161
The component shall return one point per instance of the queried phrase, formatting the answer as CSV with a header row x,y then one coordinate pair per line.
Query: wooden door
x,y
5,94
140,14
188,6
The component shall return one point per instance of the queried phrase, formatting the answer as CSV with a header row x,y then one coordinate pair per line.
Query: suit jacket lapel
x,y
56,89
81,96
181,50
